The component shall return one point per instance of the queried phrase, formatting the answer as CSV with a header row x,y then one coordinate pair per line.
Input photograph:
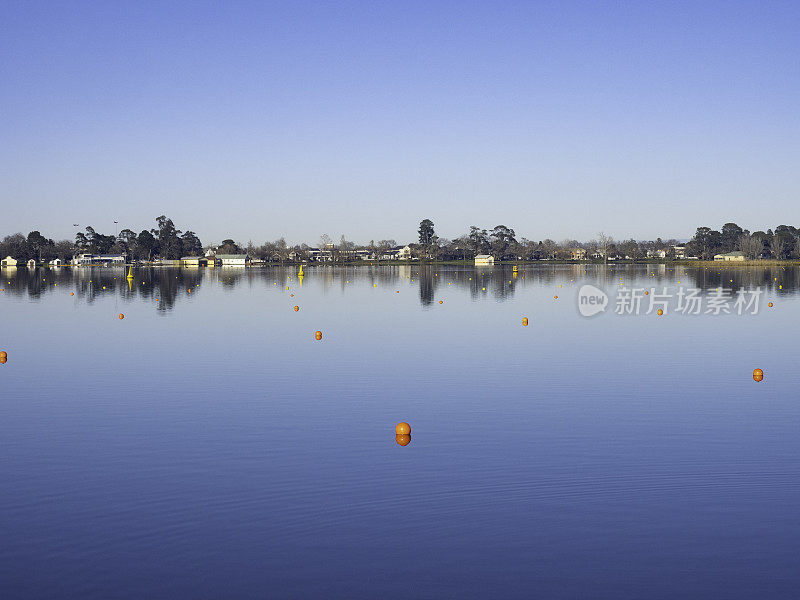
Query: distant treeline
x,y
165,241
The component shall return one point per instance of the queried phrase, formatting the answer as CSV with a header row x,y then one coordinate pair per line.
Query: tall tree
x,y
426,232
730,234
191,244
37,243
478,240
501,238
145,245
169,242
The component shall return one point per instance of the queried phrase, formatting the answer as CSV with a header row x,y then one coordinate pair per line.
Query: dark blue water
x,y
207,446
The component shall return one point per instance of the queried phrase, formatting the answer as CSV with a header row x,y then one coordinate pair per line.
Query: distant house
x,y
730,256
391,253
484,259
194,261
8,262
56,262
31,264
578,254
233,260
396,253
365,255
656,254
318,255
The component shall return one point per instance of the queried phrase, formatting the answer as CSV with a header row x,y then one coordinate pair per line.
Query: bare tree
x,y
777,246
751,246
604,243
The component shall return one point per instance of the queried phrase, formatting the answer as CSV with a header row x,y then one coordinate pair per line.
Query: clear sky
x,y
260,120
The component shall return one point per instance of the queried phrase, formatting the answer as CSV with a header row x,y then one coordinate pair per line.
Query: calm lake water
x,y
207,446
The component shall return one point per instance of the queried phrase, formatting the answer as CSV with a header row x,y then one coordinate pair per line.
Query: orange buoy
x,y
121,316
296,308
3,354
647,293
72,293
441,301
318,335
525,321
403,428
758,375
3,360
660,312
398,291
402,440
770,305
291,295
189,290
556,297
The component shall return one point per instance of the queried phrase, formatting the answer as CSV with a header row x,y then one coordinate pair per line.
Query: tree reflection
x,y
169,285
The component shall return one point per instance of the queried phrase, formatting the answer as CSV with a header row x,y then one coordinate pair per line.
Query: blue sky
x,y
260,120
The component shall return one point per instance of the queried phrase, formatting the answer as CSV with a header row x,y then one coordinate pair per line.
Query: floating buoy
x,y
189,291
770,305
72,293
3,354
318,335
296,308
398,291
402,440
525,321
556,297
403,428
291,295
758,375
647,293
440,301
660,312
121,316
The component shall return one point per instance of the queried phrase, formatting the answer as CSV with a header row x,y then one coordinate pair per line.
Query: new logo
x,y
591,300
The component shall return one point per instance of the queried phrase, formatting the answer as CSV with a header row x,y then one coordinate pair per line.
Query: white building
x,y
86,259
56,262
730,257
484,259
8,262
233,260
